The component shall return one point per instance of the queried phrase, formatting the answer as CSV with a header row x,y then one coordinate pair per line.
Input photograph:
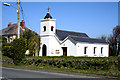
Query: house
x,y
68,43
11,31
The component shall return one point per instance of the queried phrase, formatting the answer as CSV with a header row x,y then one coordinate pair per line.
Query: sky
x,y
93,18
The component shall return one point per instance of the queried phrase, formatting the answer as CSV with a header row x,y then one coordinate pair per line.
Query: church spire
x,y
48,16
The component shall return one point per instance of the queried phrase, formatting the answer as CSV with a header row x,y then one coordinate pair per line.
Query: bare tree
x,y
103,37
114,41
116,36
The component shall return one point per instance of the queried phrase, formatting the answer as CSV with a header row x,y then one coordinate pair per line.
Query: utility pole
x,y
18,12
18,19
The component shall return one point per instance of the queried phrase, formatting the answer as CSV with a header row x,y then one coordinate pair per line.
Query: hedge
x,y
76,64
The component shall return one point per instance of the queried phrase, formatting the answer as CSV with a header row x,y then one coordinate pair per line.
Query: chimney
x,y
22,24
9,24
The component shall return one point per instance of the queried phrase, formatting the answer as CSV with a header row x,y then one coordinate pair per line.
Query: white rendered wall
x,y
12,37
90,50
44,41
54,48
78,49
74,49
52,45
48,23
71,48
49,39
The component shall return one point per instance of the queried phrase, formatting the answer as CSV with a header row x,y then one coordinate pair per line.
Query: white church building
x,y
68,43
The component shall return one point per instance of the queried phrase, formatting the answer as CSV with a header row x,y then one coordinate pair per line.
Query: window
x,y
85,50
44,28
52,28
101,50
57,51
94,50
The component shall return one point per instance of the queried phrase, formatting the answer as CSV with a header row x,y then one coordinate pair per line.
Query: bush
x,y
7,60
19,49
15,50
7,51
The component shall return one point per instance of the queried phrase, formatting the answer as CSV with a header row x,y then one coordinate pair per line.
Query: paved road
x,y
22,74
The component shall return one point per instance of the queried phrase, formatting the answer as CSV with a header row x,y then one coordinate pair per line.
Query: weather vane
x,y
48,8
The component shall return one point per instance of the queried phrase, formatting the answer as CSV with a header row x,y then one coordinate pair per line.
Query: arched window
x,y
44,28
52,28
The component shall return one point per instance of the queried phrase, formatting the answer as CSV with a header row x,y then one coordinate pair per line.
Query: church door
x,y
64,51
44,50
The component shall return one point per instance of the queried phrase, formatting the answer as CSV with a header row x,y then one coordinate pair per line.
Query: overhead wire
x,y
23,15
22,12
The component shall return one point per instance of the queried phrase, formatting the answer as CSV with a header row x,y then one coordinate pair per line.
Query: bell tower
x,y
47,33
48,25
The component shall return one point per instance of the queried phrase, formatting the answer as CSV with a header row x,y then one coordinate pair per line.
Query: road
x,y
23,74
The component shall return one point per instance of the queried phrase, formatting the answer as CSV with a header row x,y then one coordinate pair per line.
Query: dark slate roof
x,y
76,37
9,30
13,30
48,16
61,34
87,40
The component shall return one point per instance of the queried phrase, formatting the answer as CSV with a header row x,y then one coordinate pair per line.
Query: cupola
x,y
48,16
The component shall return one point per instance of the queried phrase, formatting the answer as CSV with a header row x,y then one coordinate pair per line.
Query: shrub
x,y
37,62
18,47
7,51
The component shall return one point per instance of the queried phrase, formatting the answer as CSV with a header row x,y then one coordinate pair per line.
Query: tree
x,y
4,40
110,40
34,45
33,41
116,36
6,47
27,35
103,37
7,50
114,41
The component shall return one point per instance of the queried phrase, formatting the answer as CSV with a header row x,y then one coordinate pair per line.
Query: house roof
x,y
87,40
77,37
10,30
13,30
61,34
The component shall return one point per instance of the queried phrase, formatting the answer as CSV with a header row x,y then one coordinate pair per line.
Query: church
x,y
68,43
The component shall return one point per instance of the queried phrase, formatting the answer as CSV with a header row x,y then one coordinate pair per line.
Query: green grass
x,y
114,58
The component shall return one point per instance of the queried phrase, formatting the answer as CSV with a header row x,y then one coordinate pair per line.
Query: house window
x,y
101,50
94,50
52,28
44,28
85,50
57,51
8,38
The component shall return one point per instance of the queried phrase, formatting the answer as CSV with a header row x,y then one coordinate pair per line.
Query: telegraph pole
x,y
18,19
18,12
